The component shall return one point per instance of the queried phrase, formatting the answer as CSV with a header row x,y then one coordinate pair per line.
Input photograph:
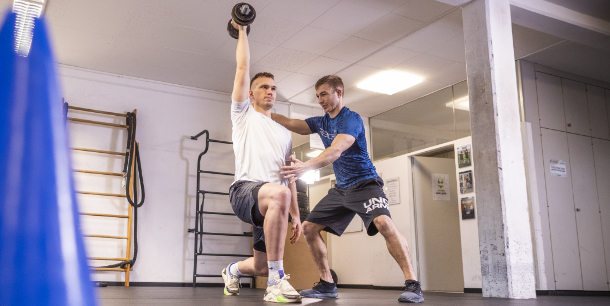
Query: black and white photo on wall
x,y
466,182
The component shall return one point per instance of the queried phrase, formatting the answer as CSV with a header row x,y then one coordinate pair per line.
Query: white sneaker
x,y
282,291
231,282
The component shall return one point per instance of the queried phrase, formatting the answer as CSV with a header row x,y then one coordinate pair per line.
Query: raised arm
x,y
341,143
294,125
241,86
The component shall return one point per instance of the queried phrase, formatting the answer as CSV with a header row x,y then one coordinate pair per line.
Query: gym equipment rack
x,y
130,216
199,212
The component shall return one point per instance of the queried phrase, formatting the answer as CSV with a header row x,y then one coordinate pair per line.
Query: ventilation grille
x,y
26,11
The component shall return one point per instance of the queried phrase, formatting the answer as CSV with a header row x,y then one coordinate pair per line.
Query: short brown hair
x,y
334,81
262,75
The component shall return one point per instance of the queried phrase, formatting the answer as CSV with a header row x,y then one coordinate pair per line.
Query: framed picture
x,y
467,208
466,182
464,156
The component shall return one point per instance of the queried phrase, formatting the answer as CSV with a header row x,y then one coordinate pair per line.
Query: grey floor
x,y
134,296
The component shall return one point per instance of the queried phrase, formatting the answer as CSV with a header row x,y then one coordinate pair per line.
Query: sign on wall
x,y
315,142
440,187
558,168
392,190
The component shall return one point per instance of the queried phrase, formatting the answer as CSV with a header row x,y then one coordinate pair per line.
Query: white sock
x,y
234,269
275,268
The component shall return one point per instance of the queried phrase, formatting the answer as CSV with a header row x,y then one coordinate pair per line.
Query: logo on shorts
x,y
375,203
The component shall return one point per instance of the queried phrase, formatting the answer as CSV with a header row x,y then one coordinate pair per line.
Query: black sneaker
x,y
321,290
412,292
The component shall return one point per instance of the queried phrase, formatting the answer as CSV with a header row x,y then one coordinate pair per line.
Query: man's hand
x,y
237,26
297,229
294,172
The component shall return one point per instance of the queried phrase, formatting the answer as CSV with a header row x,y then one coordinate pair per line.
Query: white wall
x,y
167,116
469,228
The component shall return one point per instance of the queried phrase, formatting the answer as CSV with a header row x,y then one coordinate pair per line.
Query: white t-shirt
x,y
261,145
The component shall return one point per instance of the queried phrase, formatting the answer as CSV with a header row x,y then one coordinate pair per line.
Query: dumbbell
x,y
243,14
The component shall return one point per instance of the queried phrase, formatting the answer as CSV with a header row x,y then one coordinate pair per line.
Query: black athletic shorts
x,y
244,201
337,209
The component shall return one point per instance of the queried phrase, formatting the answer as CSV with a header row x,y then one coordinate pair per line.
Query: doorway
x,y
437,224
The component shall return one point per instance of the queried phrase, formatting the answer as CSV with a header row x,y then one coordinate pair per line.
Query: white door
x,y
439,249
598,113
588,220
601,153
550,102
576,107
608,105
562,220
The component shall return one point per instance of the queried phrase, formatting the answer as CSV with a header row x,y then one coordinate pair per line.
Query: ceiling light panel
x,y
26,11
390,82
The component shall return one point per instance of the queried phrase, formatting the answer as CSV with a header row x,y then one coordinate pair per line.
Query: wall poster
x,y
467,208
558,168
315,142
440,187
464,156
466,182
392,190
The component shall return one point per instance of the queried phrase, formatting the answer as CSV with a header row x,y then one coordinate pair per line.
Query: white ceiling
x,y
185,42
596,8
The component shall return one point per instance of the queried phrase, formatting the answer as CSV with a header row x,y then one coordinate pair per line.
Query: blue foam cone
x,y
42,257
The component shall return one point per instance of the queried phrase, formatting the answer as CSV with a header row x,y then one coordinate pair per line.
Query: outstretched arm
x,y
294,125
241,86
341,143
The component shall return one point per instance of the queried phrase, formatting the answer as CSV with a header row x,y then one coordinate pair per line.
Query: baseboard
x,y
572,293
348,286
553,292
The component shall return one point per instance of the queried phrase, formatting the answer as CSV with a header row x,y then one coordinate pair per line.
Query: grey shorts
x,y
244,201
337,209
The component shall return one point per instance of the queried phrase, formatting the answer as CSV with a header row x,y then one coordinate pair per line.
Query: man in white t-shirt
x,y
260,195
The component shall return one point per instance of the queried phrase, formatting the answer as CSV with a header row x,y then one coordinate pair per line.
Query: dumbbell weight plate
x,y
243,13
233,32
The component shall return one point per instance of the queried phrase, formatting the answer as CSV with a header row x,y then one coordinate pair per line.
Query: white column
x,y
507,264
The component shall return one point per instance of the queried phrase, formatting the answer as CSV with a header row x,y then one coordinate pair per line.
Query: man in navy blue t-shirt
x,y
359,189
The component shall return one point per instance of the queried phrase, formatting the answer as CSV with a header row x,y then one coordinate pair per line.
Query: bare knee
x,y
274,197
281,197
385,225
311,229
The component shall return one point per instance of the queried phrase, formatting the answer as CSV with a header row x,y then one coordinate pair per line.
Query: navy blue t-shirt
x,y
354,164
